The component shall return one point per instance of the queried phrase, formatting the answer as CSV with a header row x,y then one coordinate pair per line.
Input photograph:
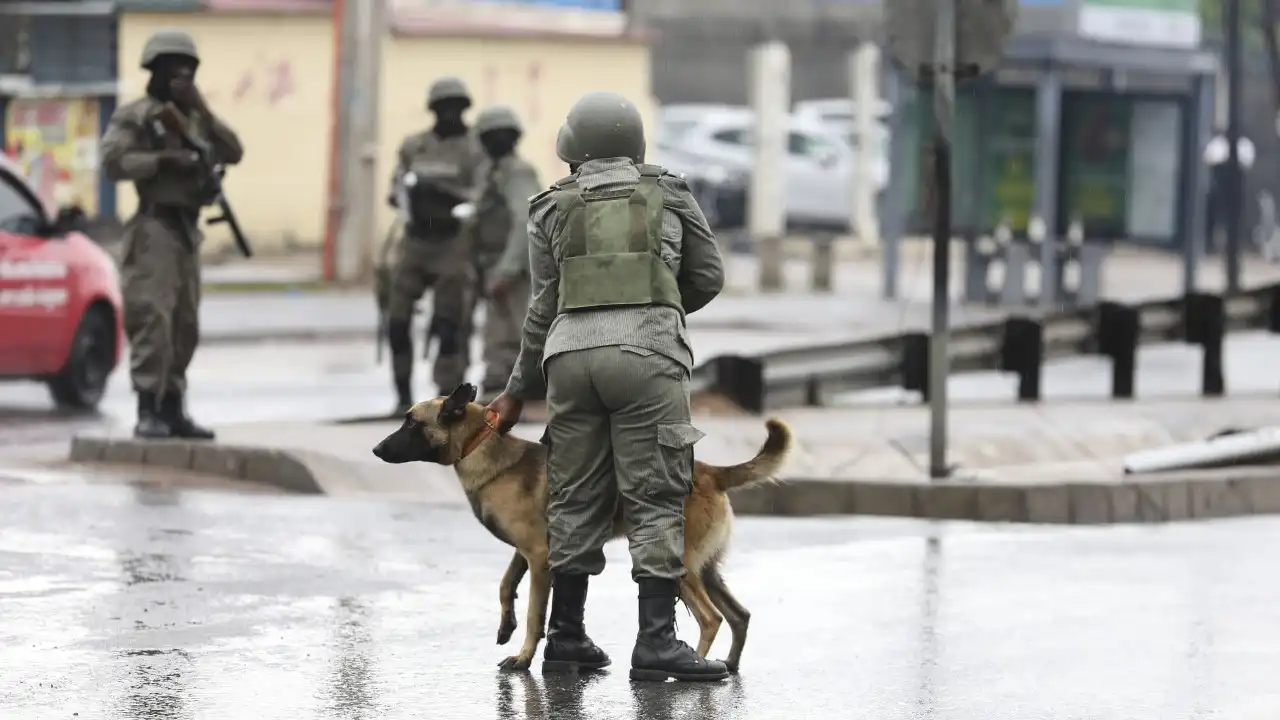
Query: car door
x,y
33,282
819,173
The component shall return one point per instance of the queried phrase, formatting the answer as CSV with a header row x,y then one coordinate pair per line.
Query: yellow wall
x,y
270,77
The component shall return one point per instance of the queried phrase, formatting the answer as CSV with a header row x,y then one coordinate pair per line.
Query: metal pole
x,y
1234,191
942,90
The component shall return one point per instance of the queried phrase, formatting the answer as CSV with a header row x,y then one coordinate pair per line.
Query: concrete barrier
x,y
1153,498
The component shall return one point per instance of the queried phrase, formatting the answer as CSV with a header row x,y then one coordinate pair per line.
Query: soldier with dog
x,y
620,254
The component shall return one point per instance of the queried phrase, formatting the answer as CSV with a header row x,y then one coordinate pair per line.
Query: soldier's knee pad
x,y
398,337
447,332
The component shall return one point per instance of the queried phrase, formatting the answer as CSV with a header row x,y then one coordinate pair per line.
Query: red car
x,y
60,306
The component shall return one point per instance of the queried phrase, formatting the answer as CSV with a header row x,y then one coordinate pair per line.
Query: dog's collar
x,y
491,419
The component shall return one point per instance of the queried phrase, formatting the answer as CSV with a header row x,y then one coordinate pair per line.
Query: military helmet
x,y
601,125
168,42
447,88
497,117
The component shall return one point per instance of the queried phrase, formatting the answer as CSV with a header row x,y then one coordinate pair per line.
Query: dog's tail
x,y
765,466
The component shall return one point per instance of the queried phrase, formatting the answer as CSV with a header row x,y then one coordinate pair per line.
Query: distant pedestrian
x,y
1217,156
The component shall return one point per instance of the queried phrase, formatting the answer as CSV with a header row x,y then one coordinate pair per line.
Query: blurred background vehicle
x,y
60,309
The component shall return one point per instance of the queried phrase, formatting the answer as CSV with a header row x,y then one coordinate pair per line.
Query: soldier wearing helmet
x,y
619,254
434,187
160,269
501,242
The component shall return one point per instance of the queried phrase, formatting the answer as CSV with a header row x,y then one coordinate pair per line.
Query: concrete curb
x,y
285,469
1167,497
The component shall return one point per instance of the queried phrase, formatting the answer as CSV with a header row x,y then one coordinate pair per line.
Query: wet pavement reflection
x,y
156,602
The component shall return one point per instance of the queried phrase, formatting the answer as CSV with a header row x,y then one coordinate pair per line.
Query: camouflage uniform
x,y
160,270
435,254
620,252
502,244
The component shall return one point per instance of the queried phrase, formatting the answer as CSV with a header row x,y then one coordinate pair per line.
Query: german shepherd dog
x,y
505,479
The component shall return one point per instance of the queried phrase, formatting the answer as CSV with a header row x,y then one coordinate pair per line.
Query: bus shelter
x,y
1066,131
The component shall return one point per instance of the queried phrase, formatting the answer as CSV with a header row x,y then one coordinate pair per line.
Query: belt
x,y
159,210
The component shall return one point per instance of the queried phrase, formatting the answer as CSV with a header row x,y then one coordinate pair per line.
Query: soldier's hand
x,y
499,287
185,160
509,410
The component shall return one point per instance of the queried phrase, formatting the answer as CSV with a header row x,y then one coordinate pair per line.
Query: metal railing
x,y
1020,345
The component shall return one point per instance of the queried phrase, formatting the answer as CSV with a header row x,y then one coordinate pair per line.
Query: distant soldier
x,y
436,177
502,243
161,261
620,254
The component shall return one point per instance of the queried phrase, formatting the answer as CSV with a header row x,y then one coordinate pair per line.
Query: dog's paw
x,y
515,663
507,627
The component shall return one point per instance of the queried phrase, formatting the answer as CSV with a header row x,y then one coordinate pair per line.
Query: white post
x,y
767,204
864,81
358,231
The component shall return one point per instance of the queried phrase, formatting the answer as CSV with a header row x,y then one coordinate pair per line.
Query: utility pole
x,y
1234,195
966,38
357,226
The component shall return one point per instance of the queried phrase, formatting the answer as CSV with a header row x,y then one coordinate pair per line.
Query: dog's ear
x,y
455,406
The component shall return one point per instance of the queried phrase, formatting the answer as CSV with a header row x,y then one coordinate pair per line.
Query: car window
x,y
673,130
732,136
799,143
17,214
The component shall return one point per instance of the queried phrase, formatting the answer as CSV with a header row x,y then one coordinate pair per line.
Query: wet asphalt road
x,y
132,602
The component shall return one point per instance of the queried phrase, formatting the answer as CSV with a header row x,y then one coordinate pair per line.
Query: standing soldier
x,y
436,176
502,243
620,253
161,262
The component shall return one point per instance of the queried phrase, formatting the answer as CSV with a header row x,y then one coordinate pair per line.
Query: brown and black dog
x,y
505,479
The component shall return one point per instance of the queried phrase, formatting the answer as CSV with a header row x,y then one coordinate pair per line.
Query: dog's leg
x,y
536,617
695,597
737,615
507,596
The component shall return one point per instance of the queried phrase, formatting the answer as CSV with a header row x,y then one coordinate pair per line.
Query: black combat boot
x,y
568,648
659,655
404,396
152,424
175,411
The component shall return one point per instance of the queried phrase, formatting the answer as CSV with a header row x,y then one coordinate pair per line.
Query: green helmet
x,y
168,42
447,88
601,125
498,117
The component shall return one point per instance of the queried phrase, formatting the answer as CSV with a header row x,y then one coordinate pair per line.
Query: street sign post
x,y
965,39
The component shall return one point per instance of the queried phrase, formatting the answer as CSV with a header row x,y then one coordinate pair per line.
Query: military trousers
x,y
619,433
441,265
160,284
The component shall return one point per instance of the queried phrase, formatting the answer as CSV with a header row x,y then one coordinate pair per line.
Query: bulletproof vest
x,y
442,180
610,244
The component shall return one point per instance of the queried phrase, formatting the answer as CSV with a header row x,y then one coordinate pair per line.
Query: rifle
x,y
173,120
382,284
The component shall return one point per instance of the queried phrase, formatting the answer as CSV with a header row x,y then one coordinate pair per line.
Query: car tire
x,y
82,381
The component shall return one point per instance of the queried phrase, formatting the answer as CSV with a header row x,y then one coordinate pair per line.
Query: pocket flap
x,y
678,435
643,352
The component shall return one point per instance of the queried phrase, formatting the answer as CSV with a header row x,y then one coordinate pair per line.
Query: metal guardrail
x,y
1019,344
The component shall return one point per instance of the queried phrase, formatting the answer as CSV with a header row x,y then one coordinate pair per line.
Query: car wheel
x,y
82,381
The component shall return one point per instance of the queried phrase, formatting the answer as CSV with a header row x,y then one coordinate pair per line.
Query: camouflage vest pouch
x,y
610,245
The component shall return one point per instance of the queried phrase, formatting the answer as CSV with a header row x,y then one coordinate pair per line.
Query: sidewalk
x,y
853,309
1056,464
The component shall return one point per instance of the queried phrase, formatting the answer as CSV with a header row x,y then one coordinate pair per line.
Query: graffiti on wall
x,y
55,142
269,81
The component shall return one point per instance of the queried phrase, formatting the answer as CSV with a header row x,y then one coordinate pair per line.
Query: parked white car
x,y
837,114
819,163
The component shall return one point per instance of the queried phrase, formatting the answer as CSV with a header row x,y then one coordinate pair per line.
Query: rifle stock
x,y
176,122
